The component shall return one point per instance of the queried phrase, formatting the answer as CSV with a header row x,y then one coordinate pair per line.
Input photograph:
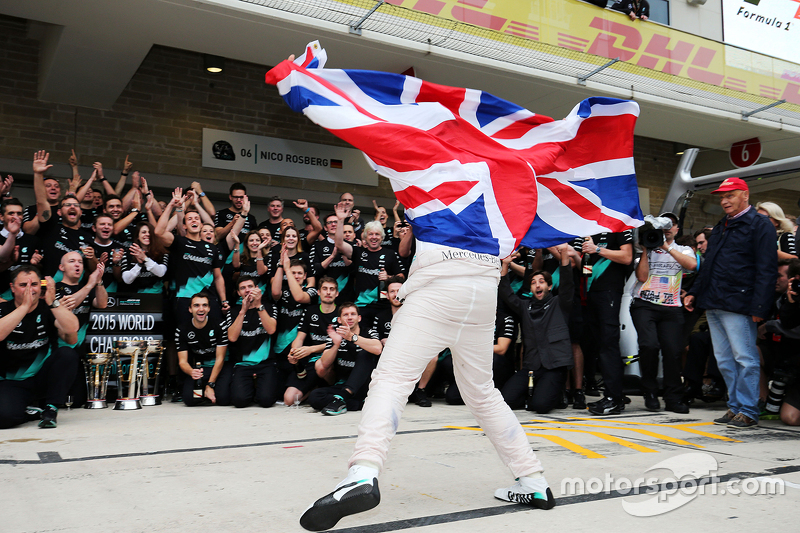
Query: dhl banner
x,y
573,25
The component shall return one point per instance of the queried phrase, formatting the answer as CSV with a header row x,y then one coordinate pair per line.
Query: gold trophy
x,y
98,370
155,349
137,351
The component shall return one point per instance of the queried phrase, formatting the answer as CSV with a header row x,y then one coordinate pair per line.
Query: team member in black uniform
x,y
249,260
48,196
17,248
349,358
606,261
199,341
372,262
273,223
80,299
293,295
105,250
310,342
144,264
223,220
250,337
195,264
327,261
30,366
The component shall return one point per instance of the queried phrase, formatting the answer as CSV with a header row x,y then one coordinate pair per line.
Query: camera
x,y
651,234
650,237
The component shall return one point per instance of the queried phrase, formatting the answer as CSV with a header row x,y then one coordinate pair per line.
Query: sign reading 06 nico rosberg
x,y
269,155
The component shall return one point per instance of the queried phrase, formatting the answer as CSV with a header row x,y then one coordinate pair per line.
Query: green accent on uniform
x,y
556,278
32,370
229,259
195,285
341,282
7,295
367,297
112,287
313,358
158,289
258,356
58,276
208,364
81,337
444,353
284,338
597,271
516,285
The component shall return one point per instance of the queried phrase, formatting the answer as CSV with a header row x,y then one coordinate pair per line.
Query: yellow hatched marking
x,y
571,446
611,438
640,431
681,427
589,454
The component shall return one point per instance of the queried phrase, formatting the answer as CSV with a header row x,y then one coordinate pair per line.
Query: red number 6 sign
x,y
745,153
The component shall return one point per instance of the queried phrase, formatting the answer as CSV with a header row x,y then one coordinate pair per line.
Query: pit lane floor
x,y
220,469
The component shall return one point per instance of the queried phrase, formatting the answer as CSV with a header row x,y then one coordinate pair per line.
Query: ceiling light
x,y
213,64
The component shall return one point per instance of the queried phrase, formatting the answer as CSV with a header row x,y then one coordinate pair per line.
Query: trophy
x,y
98,370
136,350
153,349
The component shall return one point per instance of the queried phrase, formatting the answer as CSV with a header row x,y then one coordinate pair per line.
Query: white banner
x,y
771,27
269,155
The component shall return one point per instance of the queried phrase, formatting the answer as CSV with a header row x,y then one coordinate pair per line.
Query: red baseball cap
x,y
732,184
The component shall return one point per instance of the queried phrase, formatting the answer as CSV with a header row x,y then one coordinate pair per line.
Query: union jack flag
x,y
474,171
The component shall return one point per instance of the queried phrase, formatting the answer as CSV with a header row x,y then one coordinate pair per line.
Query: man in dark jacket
x,y
735,286
545,333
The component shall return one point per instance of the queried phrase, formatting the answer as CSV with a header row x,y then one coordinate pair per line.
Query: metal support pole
x,y
355,27
747,115
582,81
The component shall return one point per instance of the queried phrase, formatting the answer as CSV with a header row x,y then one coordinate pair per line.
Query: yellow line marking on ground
x,y
552,438
611,438
641,431
681,427
589,454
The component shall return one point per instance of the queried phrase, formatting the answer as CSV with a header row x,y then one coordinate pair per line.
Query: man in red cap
x,y
735,287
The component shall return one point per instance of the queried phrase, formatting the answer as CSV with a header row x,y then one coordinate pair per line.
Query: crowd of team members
x,y
268,312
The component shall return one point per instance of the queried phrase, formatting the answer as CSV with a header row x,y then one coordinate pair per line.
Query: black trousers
x,y
659,328
322,396
502,369
257,383
51,383
357,382
602,318
548,389
700,362
222,391
307,383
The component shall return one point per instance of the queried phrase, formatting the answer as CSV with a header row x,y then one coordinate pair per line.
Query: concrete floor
x,y
172,468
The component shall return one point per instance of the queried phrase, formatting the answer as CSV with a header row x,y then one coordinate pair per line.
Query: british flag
x,y
474,171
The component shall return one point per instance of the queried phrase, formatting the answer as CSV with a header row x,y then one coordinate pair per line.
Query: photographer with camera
x,y
656,309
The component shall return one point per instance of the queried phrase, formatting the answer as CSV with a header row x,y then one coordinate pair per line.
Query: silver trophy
x,y
136,350
98,370
153,352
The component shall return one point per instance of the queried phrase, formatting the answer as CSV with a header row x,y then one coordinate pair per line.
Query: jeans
x,y
448,304
734,339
